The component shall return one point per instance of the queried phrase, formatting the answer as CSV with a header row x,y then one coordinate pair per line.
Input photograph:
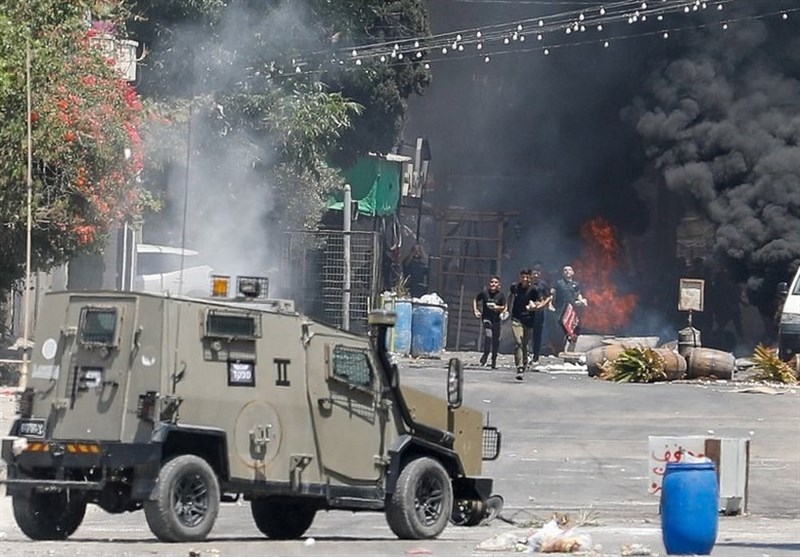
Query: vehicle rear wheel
x,y
283,518
422,501
186,500
49,516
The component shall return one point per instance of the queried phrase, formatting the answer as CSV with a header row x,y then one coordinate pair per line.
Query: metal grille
x,y
491,443
316,264
351,366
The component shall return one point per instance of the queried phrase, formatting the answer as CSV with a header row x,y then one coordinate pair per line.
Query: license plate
x,y
31,428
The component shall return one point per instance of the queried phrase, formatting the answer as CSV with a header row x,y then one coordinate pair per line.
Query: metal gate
x,y
315,262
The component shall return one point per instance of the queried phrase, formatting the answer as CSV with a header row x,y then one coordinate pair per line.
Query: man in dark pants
x,y
488,305
567,292
540,298
519,298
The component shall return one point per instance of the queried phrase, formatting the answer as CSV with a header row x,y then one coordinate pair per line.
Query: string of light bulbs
x,y
543,33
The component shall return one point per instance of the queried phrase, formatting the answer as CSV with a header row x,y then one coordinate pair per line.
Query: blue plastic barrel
x,y
689,508
399,338
427,330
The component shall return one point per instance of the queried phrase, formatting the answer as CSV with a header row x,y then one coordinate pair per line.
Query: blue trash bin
x,y
428,330
689,508
398,338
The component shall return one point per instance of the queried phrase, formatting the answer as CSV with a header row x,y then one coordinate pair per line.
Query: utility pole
x,y
23,377
346,241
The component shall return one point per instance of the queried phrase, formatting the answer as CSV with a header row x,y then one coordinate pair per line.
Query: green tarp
x,y
374,184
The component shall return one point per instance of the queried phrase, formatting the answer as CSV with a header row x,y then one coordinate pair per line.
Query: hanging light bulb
x,y
724,26
515,36
600,27
583,28
522,38
298,70
605,44
419,55
538,37
546,51
358,63
784,16
400,56
479,34
541,23
519,28
486,60
427,66
686,10
568,30
416,44
444,50
479,46
354,53
506,41
704,5
602,11
665,35
458,37
719,7
383,58
394,54
397,46
644,5
581,17
461,48
660,17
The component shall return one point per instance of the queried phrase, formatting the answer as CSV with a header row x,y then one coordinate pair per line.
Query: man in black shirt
x,y
519,299
488,305
540,296
568,293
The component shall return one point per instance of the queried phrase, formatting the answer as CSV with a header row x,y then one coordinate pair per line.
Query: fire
x,y
609,311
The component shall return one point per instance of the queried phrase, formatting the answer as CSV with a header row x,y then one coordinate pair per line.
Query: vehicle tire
x,y
468,512
283,518
186,500
49,516
422,502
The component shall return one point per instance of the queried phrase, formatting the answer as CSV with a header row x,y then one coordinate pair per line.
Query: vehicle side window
x,y
231,324
98,326
352,366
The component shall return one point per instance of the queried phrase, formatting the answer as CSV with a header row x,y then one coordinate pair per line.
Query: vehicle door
x,y
349,417
95,356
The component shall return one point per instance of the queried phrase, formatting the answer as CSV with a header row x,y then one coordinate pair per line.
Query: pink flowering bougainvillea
x,y
85,119
88,145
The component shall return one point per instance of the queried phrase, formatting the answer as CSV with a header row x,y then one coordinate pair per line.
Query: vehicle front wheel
x,y
186,500
422,502
283,518
49,516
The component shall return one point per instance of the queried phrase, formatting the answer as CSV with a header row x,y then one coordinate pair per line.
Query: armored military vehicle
x,y
176,404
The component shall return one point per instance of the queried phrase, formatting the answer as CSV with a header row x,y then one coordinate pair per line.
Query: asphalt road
x,y
571,445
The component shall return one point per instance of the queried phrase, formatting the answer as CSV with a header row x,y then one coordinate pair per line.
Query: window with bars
x,y
352,366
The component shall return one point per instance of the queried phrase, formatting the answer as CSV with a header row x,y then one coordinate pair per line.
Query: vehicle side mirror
x,y
455,383
783,288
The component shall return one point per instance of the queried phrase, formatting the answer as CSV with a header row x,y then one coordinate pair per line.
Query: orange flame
x,y
609,311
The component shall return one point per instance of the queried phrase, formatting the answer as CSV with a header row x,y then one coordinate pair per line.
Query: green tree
x,y
234,59
86,146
